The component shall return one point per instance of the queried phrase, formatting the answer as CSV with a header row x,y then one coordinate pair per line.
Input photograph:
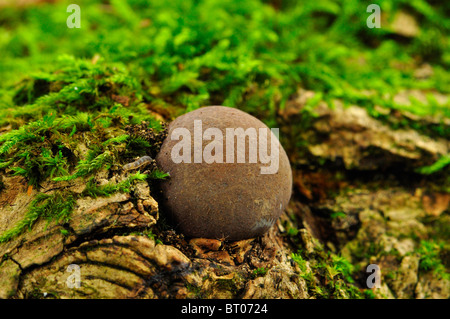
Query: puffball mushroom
x,y
230,178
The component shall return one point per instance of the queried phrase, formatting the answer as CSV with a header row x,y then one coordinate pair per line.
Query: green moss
x,y
439,165
259,272
148,233
65,232
342,266
196,291
188,58
369,294
328,275
107,190
430,258
56,207
337,214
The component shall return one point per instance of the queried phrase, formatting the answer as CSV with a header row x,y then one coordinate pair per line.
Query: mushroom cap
x,y
232,201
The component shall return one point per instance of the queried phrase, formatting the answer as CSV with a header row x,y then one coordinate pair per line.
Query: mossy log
x,y
342,218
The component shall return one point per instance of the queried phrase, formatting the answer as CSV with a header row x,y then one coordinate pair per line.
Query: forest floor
x,y
364,116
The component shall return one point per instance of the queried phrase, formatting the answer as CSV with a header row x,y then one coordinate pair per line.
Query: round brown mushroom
x,y
213,190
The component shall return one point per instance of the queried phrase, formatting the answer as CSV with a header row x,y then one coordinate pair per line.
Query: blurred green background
x,y
248,54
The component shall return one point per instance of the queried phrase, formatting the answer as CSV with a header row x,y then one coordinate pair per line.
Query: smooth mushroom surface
x,y
212,193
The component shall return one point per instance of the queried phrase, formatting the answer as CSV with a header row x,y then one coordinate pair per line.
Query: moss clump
x,y
60,121
259,272
430,253
108,189
56,207
327,275
73,129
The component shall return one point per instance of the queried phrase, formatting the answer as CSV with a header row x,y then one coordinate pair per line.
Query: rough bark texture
x,y
364,208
